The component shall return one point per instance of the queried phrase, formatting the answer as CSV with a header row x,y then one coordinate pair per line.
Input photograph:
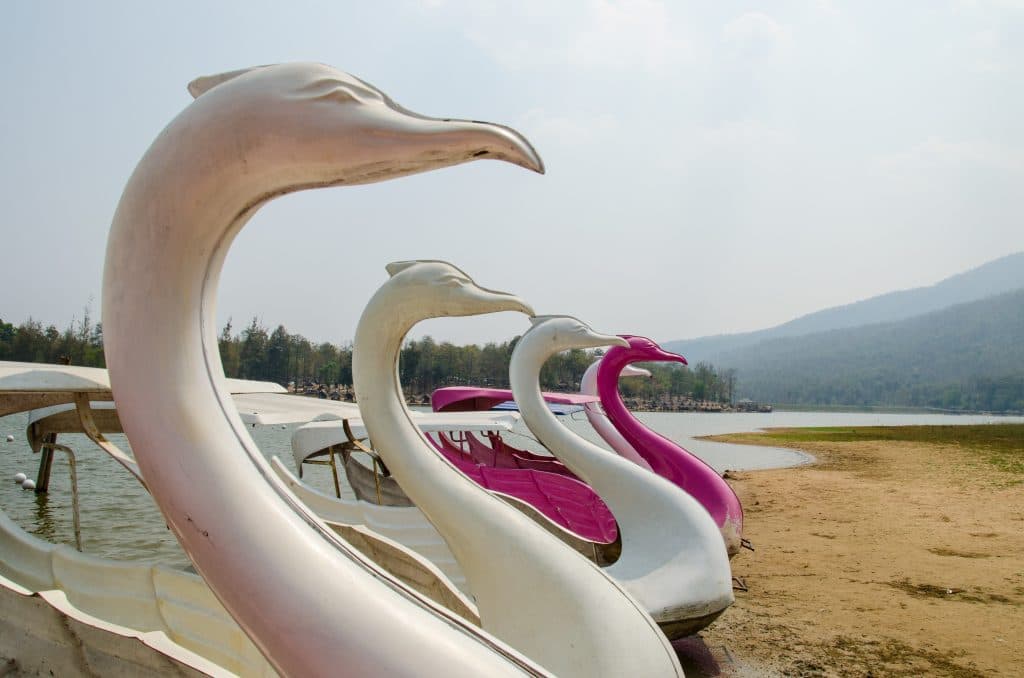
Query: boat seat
x,y
523,458
566,501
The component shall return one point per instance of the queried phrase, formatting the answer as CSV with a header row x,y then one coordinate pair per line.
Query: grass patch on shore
x,y
1002,445
932,591
891,657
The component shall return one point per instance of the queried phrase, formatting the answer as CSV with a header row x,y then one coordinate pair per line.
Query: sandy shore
x,y
884,559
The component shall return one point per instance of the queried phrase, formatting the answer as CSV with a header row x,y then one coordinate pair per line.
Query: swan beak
x,y
453,142
498,142
595,340
669,357
496,302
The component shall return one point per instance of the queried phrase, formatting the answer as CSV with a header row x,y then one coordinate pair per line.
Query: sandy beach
x,y
882,558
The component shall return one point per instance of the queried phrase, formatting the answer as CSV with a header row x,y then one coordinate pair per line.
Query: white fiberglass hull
x,y
66,613
405,525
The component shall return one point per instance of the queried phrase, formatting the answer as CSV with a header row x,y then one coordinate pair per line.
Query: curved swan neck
x,y
635,433
665,457
262,552
601,423
635,496
532,591
377,347
581,456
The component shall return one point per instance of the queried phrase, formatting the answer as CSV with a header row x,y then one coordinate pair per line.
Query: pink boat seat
x,y
501,455
567,501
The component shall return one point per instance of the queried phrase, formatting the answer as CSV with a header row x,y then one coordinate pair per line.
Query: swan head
x,y
432,289
312,125
563,332
642,349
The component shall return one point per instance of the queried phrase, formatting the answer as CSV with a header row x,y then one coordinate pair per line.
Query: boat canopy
x,y
29,386
310,439
286,408
254,408
67,399
474,399
33,386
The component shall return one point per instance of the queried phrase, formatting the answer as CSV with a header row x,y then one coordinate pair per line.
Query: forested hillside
x,y
996,277
969,356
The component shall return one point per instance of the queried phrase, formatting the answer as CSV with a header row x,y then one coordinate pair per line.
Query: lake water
x,y
119,519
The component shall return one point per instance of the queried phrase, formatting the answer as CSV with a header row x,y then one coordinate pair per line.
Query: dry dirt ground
x,y
883,558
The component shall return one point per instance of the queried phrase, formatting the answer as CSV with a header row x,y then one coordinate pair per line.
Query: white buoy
x,y
19,478
28,484
10,438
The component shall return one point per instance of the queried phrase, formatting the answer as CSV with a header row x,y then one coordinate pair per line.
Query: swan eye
x,y
330,89
340,94
452,280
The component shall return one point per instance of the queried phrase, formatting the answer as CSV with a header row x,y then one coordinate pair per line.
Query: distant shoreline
x,y
893,409
688,405
677,404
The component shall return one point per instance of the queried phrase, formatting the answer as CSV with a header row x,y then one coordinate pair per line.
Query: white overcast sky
x,y
712,167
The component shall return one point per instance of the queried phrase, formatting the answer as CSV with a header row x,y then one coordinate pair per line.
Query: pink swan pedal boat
x,y
626,434
665,457
539,486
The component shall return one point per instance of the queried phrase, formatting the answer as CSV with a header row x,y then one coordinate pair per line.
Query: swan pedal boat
x,y
606,411
368,495
379,530
78,400
684,614
497,452
665,457
308,599
69,613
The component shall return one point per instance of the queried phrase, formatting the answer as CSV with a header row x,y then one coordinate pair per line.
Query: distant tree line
x,y
280,356
80,343
424,365
947,372
1002,393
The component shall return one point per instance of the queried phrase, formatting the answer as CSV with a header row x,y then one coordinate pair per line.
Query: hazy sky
x,y
712,167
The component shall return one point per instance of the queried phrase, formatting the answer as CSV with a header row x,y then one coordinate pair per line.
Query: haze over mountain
x,y
1000,275
958,345
966,357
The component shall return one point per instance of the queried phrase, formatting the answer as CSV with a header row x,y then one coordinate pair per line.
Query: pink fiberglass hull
x,y
566,501
477,398
665,457
499,454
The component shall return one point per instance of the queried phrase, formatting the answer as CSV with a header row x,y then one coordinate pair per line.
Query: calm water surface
x,y
120,520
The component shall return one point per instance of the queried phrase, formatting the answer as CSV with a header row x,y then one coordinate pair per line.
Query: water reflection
x,y
44,527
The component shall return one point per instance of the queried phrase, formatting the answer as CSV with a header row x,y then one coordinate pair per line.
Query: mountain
x,y
995,277
968,356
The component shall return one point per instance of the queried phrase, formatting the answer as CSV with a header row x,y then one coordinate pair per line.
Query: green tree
x,y
278,356
229,351
253,356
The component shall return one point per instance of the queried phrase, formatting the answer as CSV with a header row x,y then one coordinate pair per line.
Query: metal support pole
x,y
379,467
45,464
334,471
90,429
74,489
